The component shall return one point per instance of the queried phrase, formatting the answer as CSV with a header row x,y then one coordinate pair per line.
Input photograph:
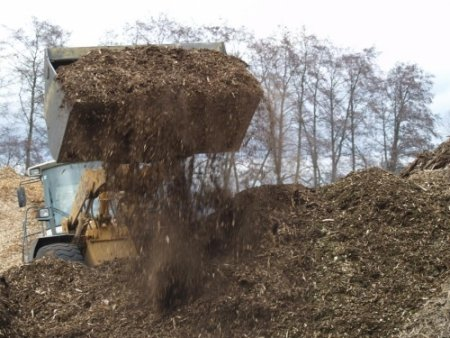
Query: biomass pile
x,y
356,258
10,220
5,315
11,217
430,160
432,174
154,103
386,250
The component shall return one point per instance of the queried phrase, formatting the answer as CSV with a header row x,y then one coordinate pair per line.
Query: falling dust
x,y
163,217
155,107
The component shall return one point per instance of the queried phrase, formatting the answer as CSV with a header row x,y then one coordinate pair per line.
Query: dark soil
x,y
5,310
356,258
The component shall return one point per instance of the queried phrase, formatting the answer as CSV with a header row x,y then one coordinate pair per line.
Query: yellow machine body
x,y
101,238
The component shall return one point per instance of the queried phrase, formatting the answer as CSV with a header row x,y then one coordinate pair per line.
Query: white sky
x,y
407,31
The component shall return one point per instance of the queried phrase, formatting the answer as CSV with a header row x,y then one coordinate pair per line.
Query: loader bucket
x,y
80,129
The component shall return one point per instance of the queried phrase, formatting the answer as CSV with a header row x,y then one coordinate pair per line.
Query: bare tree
x,y
11,148
312,116
273,63
27,64
159,30
334,117
408,123
359,78
303,61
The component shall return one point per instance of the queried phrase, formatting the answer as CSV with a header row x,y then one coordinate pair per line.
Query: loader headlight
x,y
43,214
33,172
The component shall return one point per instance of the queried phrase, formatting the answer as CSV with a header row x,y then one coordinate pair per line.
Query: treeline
x,y
326,110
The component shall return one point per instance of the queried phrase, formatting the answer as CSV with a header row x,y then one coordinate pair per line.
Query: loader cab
x,y
59,184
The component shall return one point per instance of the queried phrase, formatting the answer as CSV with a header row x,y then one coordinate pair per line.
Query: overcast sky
x,y
406,31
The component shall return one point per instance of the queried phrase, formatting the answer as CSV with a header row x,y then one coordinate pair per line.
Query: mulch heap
x,y
386,250
5,315
430,160
355,258
11,217
432,173
152,103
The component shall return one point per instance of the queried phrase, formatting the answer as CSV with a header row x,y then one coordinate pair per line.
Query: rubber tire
x,y
65,251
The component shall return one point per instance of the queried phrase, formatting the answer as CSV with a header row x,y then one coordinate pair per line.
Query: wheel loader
x,y
78,217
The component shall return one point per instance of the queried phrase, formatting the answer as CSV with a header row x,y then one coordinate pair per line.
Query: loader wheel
x,y
65,251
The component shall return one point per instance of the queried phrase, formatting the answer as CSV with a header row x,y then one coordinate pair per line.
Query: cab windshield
x,y
60,187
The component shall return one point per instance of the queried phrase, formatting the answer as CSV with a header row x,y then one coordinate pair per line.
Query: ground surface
x,y
357,258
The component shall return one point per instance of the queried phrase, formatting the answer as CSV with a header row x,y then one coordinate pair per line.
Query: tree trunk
x,y
29,141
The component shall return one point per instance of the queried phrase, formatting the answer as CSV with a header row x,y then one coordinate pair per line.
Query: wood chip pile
x,y
11,217
356,258
430,160
10,220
